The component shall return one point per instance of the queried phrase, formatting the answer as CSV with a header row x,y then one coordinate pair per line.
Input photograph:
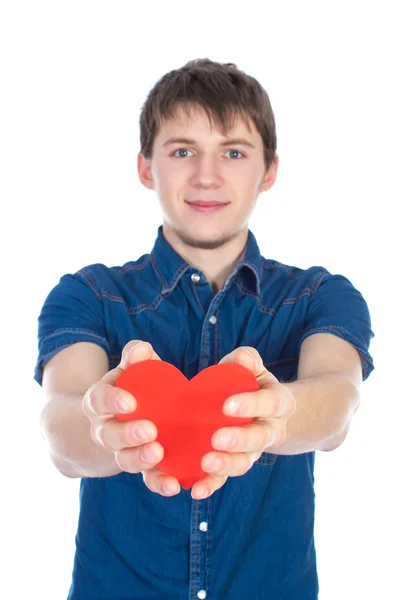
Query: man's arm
x,y
312,413
66,429
327,394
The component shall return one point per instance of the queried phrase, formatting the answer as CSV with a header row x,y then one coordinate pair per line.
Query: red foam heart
x,y
186,413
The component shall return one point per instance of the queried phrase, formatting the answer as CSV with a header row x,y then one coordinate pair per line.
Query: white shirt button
x,y
195,277
213,320
203,526
202,594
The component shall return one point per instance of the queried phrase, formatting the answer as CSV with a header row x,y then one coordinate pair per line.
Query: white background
x,y
74,76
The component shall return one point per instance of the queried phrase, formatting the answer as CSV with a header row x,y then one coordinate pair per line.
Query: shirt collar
x,y
170,266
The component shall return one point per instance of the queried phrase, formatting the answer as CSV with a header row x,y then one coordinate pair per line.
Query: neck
x,y
215,263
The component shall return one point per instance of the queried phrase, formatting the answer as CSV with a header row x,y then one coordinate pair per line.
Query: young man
x,y
208,149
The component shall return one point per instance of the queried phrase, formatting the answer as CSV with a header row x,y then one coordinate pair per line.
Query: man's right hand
x,y
132,442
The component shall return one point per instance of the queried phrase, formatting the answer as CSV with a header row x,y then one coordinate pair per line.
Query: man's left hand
x,y
270,408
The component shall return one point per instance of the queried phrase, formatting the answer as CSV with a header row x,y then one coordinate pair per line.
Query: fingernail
x,y
150,455
167,490
143,433
124,404
225,442
133,348
255,358
213,465
233,407
202,493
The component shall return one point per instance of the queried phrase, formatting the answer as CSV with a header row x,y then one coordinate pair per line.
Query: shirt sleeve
x,y
72,312
337,307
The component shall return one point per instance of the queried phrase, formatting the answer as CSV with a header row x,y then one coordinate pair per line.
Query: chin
x,y
205,241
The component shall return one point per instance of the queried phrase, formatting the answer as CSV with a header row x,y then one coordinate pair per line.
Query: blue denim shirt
x,y
253,538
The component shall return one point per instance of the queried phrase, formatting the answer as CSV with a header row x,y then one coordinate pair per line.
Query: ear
x,y
270,176
144,171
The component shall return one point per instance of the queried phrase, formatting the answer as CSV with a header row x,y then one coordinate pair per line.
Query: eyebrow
x,y
240,141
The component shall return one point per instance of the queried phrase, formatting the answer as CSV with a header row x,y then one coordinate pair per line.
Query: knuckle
x,y
152,481
89,401
150,454
128,460
97,434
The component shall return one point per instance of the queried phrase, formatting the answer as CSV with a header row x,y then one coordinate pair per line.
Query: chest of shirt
x,y
192,328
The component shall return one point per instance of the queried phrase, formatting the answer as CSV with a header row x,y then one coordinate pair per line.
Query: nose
x,y
207,171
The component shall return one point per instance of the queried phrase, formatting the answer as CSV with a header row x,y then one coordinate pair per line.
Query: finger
x,y
229,465
159,483
207,486
254,437
116,435
104,399
267,403
134,351
135,460
249,357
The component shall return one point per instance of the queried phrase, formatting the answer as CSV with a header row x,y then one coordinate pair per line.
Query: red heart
x,y
186,413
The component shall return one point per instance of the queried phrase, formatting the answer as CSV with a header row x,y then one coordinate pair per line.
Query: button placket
x,y
198,549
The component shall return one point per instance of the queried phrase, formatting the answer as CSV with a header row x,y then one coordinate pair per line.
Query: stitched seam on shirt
x,y
329,327
196,527
269,311
280,362
308,291
84,273
244,290
208,550
133,311
216,342
365,360
178,273
158,273
105,294
135,267
205,343
266,460
198,299
277,265
61,331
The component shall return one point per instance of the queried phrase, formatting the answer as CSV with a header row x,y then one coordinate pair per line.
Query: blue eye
x,y
181,150
236,151
186,150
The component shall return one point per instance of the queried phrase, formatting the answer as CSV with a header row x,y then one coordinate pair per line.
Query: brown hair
x,y
222,90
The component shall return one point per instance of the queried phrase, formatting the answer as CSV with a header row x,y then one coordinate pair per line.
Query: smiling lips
x,y
204,206
206,202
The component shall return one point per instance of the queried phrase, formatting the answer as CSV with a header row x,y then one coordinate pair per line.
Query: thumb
x,y
249,357
246,356
133,352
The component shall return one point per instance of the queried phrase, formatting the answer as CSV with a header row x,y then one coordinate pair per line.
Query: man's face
x,y
206,168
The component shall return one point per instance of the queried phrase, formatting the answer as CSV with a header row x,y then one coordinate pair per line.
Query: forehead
x,y
196,119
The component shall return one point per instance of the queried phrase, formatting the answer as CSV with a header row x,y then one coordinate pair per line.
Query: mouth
x,y
206,206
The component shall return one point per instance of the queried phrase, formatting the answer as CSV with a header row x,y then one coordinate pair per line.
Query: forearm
x,y
66,430
325,405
